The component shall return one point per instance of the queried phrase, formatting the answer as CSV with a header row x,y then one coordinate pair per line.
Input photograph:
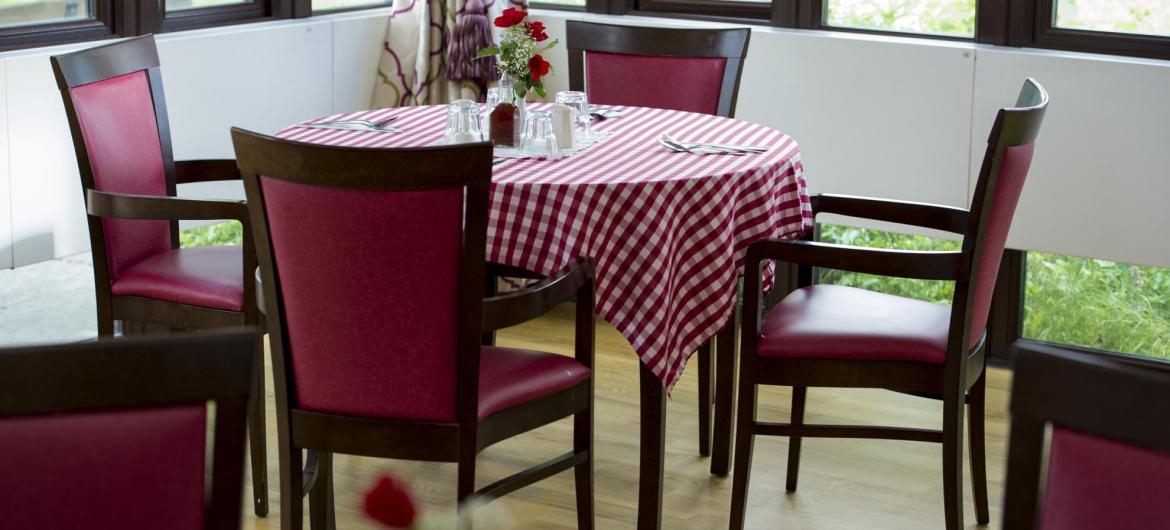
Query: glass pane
x,y
179,5
1151,17
327,5
580,3
229,233
938,17
1098,304
22,12
930,290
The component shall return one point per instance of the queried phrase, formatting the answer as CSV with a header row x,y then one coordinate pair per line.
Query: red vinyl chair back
x,y
691,84
1001,181
122,143
679,69
1109,454
393,272
394,268
112,435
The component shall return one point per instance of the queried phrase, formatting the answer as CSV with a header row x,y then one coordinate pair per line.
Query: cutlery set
x,y
707,148
382,125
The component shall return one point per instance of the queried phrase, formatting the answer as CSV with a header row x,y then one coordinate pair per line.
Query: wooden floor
x,y
844,484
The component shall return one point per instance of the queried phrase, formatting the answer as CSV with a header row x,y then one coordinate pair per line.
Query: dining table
x,y
668,231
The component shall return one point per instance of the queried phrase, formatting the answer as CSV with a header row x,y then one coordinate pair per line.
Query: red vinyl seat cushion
x,y
1100,483
510,377
210,277
837,322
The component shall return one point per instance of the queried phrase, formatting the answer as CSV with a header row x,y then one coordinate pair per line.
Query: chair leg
x,y
466,487
725,375
953,462
257,437
321,513
705,382
292,492
799,393
583,441
744,441
976,413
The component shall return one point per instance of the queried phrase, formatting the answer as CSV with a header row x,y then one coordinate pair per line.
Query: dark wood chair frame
x,y
148,315
143,373
958,382
322,434
731,44
1092,394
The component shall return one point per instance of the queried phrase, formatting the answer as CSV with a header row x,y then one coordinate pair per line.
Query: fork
x,y
741,148
372,124
698,150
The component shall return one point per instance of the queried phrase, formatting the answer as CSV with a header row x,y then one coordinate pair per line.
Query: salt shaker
x,y
562,117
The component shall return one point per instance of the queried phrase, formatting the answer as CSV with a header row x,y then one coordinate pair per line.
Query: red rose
x,y
511,17
538,67
536,30
390,504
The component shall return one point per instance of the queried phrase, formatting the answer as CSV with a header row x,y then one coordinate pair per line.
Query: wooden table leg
x,y
706,379
652,451
725,372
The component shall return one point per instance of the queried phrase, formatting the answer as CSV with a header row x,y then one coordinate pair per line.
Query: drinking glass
x,y
577,101
463,122
538,138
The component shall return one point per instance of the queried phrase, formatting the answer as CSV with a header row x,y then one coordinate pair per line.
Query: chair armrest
x,y
499,270
188,171
920,264
125,206
946,218
526,304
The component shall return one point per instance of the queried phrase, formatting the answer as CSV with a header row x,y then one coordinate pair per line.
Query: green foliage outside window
x,y
1068,300
229,233
957,17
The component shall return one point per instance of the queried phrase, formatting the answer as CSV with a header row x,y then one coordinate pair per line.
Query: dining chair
x,y
114,101
373,266
115,435
1107,454
836,336
695,70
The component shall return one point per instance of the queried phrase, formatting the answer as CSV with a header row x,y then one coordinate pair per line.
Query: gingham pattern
x,y
668,231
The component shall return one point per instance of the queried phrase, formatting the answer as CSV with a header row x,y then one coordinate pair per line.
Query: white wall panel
x,y
356,52
47,209
1100,178
5,193
894,117
878,117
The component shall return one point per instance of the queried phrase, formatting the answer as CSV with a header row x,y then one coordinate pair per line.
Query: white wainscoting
x,y
894,117
5,191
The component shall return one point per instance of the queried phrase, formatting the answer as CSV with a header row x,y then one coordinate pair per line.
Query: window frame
x,y
1032,24
380,5
105,23
154,17
811,14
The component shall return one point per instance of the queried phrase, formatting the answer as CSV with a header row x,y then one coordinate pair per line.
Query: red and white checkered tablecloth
x,y
668,231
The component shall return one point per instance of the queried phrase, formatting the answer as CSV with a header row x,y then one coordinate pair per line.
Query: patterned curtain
x,y
414,69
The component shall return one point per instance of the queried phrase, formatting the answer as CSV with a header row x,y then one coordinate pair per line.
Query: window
x,y
955,18
1147,17
1097,304
181,5
931,291
559,3
335,5
23,12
